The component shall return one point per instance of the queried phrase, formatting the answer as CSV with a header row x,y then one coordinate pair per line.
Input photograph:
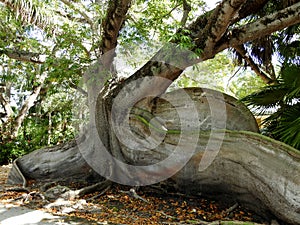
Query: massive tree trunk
x,y
180,138
197,156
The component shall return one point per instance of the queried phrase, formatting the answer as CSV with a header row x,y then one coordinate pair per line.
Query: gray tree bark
x,y
234,160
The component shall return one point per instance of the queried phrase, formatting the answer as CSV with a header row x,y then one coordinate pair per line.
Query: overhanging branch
x,y
207,40
262,27
23,56
241,50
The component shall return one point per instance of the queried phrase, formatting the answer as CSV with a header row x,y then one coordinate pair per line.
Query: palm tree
x,y
283,99
281,95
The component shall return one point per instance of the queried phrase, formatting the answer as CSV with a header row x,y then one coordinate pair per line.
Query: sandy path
x,y
14,214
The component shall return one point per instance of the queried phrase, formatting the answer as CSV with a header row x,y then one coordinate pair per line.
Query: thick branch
x,y
111,26
220,21
262,27
160,66
23,56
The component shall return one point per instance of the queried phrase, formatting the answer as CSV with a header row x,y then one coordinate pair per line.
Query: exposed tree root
x,y
133,194
98,195
87,190
18,189
232,208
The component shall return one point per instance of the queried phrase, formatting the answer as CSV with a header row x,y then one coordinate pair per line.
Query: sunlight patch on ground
x,y
23,216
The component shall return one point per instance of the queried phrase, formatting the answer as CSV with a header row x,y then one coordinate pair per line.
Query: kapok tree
x,y
137,135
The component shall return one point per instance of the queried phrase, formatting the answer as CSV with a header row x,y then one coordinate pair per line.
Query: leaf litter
x,y
118,206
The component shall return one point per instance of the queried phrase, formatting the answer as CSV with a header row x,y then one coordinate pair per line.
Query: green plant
x,y
282,100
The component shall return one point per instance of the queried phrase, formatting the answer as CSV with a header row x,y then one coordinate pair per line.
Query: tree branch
x,y
23,56
204,28
262,27
241,50
28,104
79,9
186,10
115,17
219,22
79,89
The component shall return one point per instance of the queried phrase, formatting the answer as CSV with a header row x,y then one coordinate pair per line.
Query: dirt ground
x,y
3,175
116,206
16,212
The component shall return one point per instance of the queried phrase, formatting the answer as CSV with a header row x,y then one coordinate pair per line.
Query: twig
x,y
33,194
86,190
96,187
102,193
166,215
26,197
132,193
18,189
232,208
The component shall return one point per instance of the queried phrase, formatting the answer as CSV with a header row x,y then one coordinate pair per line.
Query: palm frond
x,y
268,97
262,50
32,12
291,78
288,129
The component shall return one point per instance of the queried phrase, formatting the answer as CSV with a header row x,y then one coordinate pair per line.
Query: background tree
x,y
40,58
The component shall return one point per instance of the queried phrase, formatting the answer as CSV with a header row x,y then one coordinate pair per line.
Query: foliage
x,y
12,150
282,100
157,20
220,73
243,83
68,47
50,122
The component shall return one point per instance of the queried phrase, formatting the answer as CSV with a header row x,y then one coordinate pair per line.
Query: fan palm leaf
x,y
268,97
284,100
288,128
